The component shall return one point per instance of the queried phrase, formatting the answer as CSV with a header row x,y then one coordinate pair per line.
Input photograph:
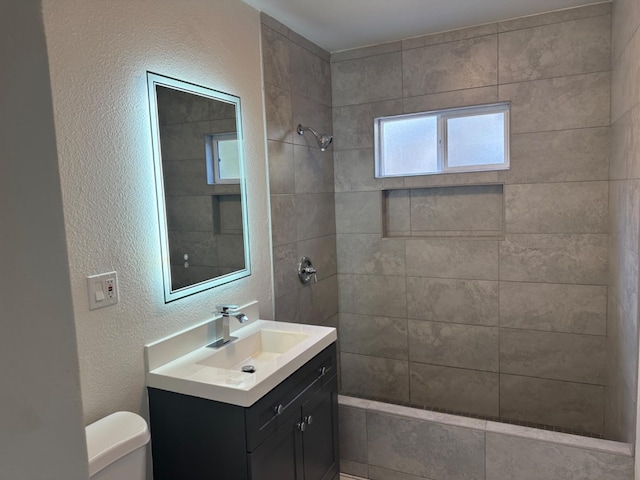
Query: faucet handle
x,y
226,308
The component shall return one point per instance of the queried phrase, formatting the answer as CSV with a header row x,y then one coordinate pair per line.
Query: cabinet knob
x,y
278,409
322,371
308,419
302,426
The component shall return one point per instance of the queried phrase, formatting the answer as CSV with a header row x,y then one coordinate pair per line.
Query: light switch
x,y
103,290
99,292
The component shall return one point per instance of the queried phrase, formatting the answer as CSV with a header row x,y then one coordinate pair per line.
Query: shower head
x,y
323,139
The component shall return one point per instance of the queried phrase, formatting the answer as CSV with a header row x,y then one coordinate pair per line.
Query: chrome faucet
x,y
222,324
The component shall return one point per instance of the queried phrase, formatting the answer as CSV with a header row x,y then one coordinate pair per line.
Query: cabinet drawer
x,y
268,413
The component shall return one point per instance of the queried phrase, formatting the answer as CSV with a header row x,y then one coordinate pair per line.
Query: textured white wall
x,y
41,423
99,52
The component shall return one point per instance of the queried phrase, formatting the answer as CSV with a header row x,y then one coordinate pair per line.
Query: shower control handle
x,y
306,270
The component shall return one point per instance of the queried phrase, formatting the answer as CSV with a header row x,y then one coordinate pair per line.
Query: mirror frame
x,y
154,80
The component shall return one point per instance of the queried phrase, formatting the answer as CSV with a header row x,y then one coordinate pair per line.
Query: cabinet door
x,y
276,458
320,438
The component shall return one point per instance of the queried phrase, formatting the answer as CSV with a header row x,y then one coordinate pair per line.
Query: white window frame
x,y
442,154
213,157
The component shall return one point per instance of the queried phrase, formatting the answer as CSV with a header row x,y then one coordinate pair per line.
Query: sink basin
x,y
260,349
182,364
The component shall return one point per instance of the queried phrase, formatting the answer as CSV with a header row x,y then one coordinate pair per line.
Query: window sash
x,y
442,155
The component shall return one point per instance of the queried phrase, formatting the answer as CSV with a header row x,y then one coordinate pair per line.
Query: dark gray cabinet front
x,y
289,434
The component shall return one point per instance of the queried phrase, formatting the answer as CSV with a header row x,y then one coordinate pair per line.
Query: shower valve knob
x,y
306,270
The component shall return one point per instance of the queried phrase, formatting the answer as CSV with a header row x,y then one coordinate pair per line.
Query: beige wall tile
x,y
275,58
554,356
573,207
396,213
375,336
622,345
448,179
510,457
558,103
278,113
368,79
315,215
554,50
450,66
354,171
353,434
382,378
353,125
455,389
358,212
312,74
425,449
281,173
575,406
622,138
625,84
453,258
625,19
452,345
285,277
373,295
623,276
371,255
472,302
457,209
458,98
554,307
578,259
313,170
559,156
317,303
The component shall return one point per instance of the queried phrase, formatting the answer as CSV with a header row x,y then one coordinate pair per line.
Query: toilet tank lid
x,y
113,437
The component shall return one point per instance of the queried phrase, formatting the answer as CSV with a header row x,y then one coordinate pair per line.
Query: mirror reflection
x,y
199,178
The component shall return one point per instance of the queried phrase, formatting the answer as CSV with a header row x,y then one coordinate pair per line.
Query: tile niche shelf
x,y
461,211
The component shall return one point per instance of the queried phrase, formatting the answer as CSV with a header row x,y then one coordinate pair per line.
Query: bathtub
x,y
381,441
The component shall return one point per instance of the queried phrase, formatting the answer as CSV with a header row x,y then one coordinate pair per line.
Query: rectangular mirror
x,y
200,187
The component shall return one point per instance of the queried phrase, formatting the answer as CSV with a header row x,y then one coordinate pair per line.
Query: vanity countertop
x,y
275,349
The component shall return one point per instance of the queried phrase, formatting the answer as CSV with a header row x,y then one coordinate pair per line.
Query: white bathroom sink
x,y
274,349
259,350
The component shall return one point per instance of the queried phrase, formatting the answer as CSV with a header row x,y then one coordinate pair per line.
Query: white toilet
x,y
116,446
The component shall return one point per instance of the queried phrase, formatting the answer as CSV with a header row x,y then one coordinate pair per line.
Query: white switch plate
x,y
103,290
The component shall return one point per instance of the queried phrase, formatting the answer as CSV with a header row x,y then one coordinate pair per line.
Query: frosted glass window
x,y
456,140
410,145
475,140
228,160
222,158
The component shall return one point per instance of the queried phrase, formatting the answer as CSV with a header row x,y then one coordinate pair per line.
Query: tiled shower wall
x,y
624,214
297,77
513,327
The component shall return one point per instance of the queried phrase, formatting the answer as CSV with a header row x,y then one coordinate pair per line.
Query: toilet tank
x,y
116,446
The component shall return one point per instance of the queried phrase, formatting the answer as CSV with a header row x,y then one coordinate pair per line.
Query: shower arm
x,y
302,129
323,139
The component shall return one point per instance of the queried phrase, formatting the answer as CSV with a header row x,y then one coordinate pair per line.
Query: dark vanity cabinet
x,y
289,434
